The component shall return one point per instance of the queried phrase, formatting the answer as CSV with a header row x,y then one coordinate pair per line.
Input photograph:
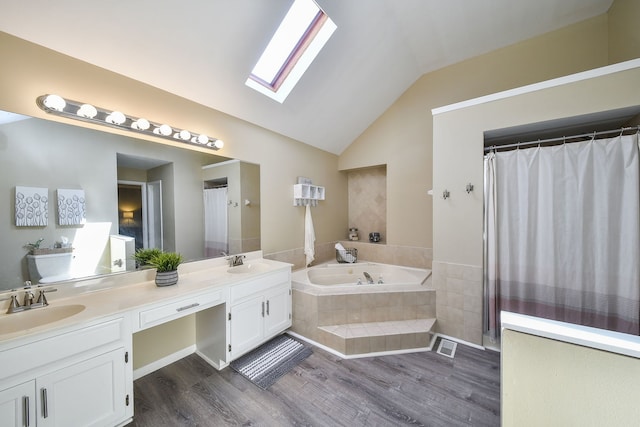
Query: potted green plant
x,y
166,264
33,247
144,256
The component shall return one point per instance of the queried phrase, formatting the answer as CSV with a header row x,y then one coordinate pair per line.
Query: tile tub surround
x,y
365,319
406,256
459,306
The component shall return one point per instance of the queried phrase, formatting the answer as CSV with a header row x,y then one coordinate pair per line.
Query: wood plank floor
x,y
418,389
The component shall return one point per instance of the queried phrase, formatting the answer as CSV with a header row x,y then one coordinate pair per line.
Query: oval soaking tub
x,y
349,274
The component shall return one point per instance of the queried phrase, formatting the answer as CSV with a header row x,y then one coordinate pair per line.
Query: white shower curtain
x,y
563,233
216,238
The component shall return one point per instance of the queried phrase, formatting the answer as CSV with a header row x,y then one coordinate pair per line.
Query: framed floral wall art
x,y
71,207
32,207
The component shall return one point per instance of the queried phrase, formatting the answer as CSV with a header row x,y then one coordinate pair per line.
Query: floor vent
x,y
447,348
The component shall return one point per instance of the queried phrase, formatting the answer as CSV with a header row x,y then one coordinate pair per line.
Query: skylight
x,y
301,35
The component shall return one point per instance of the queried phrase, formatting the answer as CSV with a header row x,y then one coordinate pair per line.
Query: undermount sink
x,y
252,267
37,317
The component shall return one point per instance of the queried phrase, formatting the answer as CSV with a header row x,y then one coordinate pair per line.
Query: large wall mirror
x,y
128,193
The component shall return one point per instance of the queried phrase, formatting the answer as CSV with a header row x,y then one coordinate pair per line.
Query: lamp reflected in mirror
x,y
127,217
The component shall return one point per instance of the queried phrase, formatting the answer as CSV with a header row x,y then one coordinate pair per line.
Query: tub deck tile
x,y
396,335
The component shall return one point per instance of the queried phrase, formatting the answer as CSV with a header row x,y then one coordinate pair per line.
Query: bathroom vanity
x,y
70,364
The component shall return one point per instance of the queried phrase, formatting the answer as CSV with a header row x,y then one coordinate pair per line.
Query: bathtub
x,y
336,276
330,307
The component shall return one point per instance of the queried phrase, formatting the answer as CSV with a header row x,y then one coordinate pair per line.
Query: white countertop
x,y
601,339
112,295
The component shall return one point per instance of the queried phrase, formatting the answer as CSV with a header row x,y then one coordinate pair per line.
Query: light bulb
x,y
164,130
184,135
116,118
88,111
141,124
55,102
218,144
203,139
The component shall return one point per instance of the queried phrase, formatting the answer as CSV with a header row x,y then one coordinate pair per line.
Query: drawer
x,y
183,307
258,285
61,347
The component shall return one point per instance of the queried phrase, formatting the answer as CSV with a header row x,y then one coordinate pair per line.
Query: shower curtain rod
x,y
562,138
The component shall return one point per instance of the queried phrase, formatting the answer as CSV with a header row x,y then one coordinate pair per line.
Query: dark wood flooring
x,y
418,389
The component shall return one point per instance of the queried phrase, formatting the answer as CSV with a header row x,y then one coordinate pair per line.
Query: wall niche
x,y
368,201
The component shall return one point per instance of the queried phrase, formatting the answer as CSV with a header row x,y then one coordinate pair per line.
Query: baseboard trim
x,y
219,366
386,353
359,356
161,363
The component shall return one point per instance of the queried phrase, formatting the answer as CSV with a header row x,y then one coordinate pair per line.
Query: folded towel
x,y
340,247
309,236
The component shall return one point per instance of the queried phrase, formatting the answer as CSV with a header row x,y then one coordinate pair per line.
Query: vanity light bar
x,y
55,104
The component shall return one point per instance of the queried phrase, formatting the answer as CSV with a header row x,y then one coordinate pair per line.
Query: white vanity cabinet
x,y
259,309
17,405
81,377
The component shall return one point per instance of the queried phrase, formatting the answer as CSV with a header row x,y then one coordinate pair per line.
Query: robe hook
x,y
469,188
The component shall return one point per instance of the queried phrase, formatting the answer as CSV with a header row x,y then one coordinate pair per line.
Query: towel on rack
x,y
309,236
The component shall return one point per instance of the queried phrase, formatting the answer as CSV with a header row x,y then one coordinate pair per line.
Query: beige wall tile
x,y
367,190
378,343
394,342
408,341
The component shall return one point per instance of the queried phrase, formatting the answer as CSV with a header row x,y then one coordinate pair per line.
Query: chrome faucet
x,y
369,278
28,299
235,260
29,303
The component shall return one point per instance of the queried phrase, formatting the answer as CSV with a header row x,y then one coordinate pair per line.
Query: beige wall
x,y
458,235
402,137
29,71
624,37
153,343
564,384
250,176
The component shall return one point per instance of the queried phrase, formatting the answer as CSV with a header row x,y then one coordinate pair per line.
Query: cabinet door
x,y
89,393
247,321
17,405
278,310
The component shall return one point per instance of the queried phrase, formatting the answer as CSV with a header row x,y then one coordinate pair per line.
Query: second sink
x,y
252,267
37,317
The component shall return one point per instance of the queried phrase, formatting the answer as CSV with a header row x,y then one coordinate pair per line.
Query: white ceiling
x,y
203,50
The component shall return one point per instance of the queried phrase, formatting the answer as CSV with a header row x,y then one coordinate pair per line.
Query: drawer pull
x,y
25,410
187,307
45,403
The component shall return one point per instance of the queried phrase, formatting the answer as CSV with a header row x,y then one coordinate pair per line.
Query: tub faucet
x,y
369,278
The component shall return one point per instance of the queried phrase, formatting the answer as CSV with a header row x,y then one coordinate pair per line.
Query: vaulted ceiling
x,y
203,50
